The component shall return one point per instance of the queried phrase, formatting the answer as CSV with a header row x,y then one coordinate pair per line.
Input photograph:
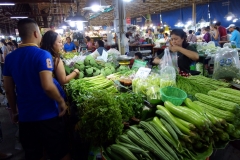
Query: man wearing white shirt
x,y
150,35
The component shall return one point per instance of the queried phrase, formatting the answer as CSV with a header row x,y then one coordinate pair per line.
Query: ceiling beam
x,y
37,1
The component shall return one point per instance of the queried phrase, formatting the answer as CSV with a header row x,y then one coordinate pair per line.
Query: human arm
x,y
61,74
233,37
9,87
216,34
51,90
4,50
190,54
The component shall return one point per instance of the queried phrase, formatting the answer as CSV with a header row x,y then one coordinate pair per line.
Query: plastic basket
x,y
174,95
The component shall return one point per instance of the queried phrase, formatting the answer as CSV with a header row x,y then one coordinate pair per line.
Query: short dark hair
x,y
4,42
166,34
25,26
218,23
15,43
190,31
88,38
10,43
68,38
138,54
100,43
199,29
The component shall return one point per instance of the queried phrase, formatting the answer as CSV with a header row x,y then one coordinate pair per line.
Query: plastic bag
x,y
226,64
153,95
169,59
137,64
168,70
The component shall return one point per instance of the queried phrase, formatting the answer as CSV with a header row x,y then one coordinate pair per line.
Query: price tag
x,y
142,72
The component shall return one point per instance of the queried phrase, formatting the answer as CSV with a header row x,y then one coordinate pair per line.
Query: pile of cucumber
x,y
184,132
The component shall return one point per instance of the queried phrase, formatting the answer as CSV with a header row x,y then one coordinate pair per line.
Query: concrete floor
x,y
9,139
10,143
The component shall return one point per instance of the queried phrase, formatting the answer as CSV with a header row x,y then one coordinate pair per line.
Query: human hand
x,y
62,108
174,48
76,71
156,61
15,118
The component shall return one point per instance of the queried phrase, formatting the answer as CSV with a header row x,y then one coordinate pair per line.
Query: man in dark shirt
x,y
222,31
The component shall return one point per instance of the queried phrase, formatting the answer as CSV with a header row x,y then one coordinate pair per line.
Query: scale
x,y
124,60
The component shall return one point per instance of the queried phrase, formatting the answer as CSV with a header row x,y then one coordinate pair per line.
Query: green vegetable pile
x,y
183,132
102,108
131,104
90,68
108,69
101,121
70,55
140,86
199,84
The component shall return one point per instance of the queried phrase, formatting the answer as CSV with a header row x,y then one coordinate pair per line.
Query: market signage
x,y
139,19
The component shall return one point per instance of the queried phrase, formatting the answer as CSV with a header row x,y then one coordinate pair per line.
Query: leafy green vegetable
x,y
101,121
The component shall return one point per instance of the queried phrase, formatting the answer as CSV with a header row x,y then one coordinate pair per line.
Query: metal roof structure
x,y
52,12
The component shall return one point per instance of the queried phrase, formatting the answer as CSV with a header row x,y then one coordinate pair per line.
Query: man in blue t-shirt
x,y
235,35
69,46
29,70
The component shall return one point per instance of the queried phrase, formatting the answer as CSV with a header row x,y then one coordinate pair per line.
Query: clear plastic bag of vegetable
x,y
226,64
168,71
153,95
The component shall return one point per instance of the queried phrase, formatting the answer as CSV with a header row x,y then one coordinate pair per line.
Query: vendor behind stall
x,y
149,35
138,56
100,47
69,46
235,35
186,53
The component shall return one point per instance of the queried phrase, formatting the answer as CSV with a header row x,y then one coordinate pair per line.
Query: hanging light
x,y
229,16
202,21
235,19
64,25
189,22
96,5
179,24
78,18
214,20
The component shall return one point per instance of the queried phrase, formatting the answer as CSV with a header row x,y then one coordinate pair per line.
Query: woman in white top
x,y
5,50
167,39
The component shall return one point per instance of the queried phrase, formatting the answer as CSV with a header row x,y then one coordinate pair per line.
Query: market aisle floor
x,y
9,131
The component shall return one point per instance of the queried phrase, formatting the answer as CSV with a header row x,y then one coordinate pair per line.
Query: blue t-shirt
x,y
24,65
236,38
69,47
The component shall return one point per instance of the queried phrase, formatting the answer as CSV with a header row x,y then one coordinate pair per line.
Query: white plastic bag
x,y
226,64
168,70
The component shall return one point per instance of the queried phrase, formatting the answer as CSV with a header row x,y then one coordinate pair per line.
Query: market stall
x,y
141,113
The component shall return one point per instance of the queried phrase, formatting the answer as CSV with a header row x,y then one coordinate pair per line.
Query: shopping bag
x,y
226,64
168,69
